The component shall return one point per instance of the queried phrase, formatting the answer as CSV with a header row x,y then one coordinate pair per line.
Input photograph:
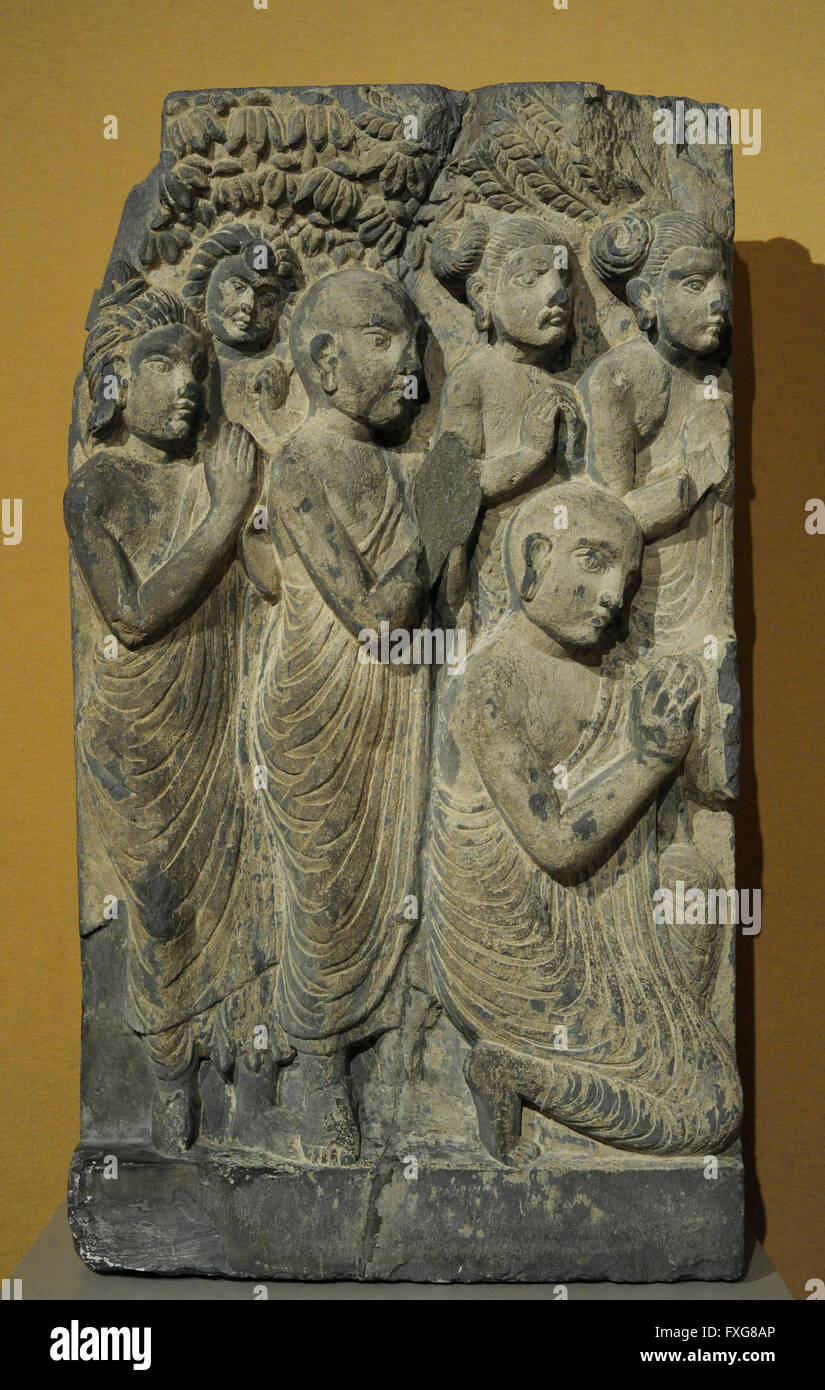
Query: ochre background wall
x,y
63,187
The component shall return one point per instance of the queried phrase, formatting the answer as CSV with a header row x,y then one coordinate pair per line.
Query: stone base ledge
x,y
232,1214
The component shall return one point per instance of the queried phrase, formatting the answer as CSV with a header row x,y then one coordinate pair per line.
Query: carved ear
x,y
643,301
537,550
478,300
322,352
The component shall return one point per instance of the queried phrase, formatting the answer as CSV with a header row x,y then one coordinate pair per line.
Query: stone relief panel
x,y
400,510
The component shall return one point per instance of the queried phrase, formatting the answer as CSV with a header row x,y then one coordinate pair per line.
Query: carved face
x,y
369,357
242,304
692,301
581,576
163,380
531,304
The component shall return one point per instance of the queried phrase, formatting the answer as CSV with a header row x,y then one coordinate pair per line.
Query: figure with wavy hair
x,y
241,280
153,529
507,400
659,421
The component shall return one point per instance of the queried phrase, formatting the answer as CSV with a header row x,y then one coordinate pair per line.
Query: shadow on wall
x,y
779,310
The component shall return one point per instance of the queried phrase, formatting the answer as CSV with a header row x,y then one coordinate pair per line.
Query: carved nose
x,y
720,304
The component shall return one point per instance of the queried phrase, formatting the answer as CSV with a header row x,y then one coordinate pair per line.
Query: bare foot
x,y
176,1113
523,1152
329,1132
497,1102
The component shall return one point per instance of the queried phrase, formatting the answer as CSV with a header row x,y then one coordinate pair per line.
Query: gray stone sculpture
x,y
400,508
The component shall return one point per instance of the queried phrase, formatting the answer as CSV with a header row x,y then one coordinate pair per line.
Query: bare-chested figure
x,y
542,856
510,401
658,410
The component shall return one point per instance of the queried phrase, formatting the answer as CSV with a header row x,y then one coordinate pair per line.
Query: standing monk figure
x,y
344,741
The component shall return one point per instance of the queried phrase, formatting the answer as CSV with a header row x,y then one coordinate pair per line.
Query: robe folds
x,y
517,955
160,752
344,745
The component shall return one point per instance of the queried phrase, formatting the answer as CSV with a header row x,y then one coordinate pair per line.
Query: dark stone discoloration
x,y
324,900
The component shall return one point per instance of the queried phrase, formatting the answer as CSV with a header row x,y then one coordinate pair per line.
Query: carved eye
x,y
526,277
695,284
380,339
159,365
591,560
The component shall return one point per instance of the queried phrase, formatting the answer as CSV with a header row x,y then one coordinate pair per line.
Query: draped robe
x,y
344,745
159,754
516,953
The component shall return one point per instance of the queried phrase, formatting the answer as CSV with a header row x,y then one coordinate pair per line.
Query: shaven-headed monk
x,y
344,741
542,859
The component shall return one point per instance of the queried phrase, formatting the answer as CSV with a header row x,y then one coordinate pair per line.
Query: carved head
x,y
675,274
145,362
240,279
354,337
516,277
570,553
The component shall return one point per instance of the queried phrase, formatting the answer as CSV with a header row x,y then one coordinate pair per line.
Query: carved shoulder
x,y
98,486
625,375
625,395
461,402
490,697
295,475
466,378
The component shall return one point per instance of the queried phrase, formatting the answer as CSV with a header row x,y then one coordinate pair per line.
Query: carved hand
x,y
662,710
543,414
231,470
706,445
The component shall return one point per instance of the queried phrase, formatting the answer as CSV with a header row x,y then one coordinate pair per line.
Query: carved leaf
x,y
204,212
312,239
168,247
316,126
296,128
341,129
274,187
256,129
148,251
379,127
556,183
236,130
275,129
390,241
163,218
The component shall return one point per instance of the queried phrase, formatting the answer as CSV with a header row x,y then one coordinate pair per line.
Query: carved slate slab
x,y
400,506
